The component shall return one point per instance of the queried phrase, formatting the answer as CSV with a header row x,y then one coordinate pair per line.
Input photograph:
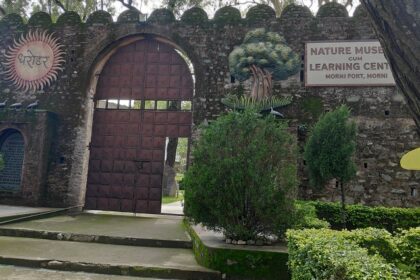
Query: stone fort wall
x,y
385,129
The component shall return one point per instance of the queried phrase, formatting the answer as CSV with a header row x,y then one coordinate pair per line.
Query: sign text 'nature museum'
x,y
347,63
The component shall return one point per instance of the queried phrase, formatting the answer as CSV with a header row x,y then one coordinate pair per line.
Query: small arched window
x,y
12,147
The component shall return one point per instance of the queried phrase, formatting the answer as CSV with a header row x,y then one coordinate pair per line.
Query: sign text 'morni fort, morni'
x,y
347,63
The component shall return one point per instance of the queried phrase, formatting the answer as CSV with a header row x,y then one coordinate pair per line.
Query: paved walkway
x,y
7,211
147,227
8,272
107,254
174,208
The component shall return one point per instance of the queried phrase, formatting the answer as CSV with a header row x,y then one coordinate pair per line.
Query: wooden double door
x,y
143,98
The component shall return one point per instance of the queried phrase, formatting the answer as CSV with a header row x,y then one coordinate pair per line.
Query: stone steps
x,y
9,272
105,239
110,259
149,231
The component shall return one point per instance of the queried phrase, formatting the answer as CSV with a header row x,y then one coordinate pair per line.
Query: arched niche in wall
x,y
12,147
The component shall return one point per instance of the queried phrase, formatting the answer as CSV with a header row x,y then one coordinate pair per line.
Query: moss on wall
x,y
240,264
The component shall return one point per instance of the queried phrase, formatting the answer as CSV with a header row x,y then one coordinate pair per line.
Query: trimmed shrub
x,y
243,178
376,241
327,254
306,217
408,243
360,216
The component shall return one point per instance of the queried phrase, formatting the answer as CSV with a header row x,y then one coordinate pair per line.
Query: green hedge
x,y
408,244
305,217
359,216
328,254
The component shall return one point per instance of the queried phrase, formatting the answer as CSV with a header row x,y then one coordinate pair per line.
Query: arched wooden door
x,y
137,106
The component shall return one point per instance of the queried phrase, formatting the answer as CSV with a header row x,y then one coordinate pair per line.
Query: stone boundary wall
x,y
386,130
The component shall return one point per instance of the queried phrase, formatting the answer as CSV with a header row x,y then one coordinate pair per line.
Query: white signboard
x,y
349,63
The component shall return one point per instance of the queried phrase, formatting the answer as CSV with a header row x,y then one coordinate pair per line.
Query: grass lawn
x,y
170,199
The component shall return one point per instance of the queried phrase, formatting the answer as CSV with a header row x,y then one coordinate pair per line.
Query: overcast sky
x,y
154,4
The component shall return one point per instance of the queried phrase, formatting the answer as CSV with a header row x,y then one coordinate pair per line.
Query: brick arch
x,y
128,142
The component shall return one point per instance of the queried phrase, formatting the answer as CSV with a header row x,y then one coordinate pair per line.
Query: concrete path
x,y
7,211
174,208
162,228
169,263
8,272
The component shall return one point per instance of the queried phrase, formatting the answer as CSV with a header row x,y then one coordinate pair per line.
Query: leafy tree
x,y
264,56
329,151
243,177
397,24
14,6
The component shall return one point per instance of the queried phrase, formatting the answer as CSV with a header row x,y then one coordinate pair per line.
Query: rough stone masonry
x,y
56,157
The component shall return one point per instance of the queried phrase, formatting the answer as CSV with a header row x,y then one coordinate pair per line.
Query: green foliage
x,y
376,241
243,177
408,243
360,216
312,107
306,217
83,8
267,50
1,162
15,7
330,148
327,254
247,102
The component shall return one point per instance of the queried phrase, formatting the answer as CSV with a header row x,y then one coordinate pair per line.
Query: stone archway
x,y
136,109
12,147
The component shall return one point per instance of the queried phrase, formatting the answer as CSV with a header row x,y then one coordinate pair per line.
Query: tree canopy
x,y
330,148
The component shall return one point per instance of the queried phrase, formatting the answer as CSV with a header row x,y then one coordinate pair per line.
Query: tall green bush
x,y
243,177
330,149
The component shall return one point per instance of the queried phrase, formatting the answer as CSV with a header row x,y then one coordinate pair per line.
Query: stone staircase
x,y
109,246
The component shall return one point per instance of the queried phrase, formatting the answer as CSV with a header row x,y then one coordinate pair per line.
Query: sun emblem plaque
x,y
33,61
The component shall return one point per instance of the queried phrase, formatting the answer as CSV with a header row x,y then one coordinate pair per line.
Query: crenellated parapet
x,y
207,42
